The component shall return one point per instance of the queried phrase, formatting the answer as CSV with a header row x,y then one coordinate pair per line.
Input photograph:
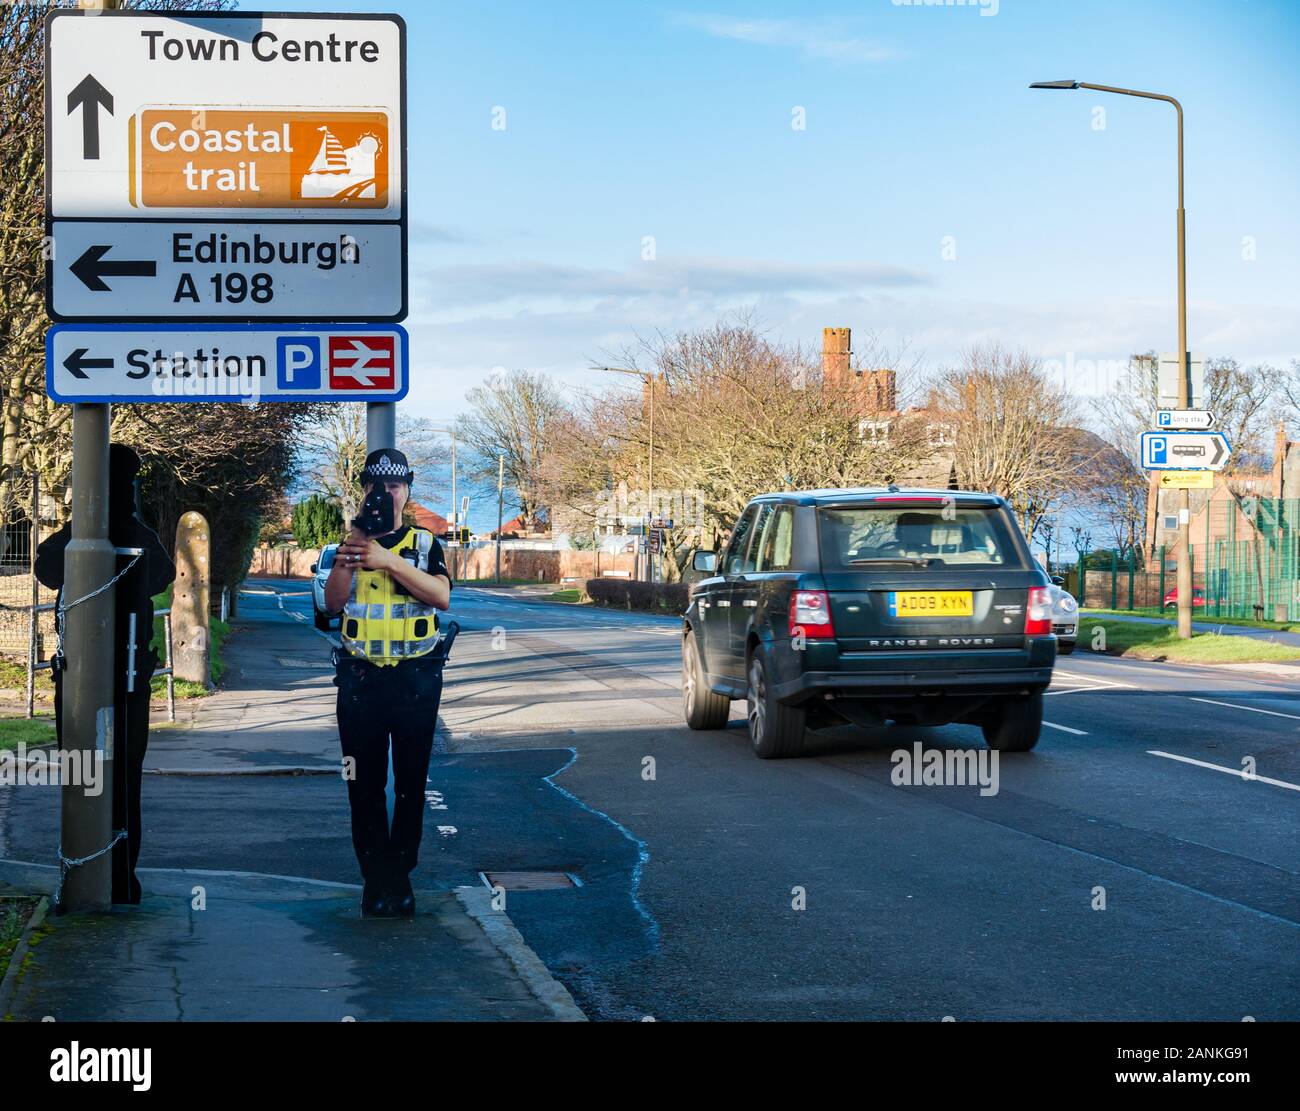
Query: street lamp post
x,y
1182,550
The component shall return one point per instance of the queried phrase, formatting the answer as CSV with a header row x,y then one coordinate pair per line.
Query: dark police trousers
x,y
374,704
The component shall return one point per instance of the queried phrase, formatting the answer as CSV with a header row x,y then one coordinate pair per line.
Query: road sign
x,y
112,272
226,166
1188,451
253,363
1184,418
1186,480
1167,380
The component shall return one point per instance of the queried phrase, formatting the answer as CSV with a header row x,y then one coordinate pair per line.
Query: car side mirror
x,y
705,561
1059,580
313,567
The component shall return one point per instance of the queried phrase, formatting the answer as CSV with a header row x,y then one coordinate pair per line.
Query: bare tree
x,y
1017,431
515,416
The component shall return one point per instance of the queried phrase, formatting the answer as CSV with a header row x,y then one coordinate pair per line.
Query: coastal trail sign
x,y
226,166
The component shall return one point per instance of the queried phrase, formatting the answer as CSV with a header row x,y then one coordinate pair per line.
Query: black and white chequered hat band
x,y
387,463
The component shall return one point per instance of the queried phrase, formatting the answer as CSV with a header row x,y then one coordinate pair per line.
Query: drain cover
x,y
531,881
303,664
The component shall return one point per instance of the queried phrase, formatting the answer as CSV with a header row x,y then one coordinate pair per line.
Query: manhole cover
x,y
299,662
531,881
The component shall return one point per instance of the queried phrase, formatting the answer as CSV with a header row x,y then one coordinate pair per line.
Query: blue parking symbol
x,y
297,362
1165,418
1159,450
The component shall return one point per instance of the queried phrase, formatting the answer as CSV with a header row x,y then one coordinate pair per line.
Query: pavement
x,y
1139,864
234,944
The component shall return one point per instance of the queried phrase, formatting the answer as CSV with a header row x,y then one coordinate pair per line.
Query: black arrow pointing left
x,y
92,269
89,96
77,364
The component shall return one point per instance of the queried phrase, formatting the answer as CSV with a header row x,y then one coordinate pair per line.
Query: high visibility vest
x,y
383,623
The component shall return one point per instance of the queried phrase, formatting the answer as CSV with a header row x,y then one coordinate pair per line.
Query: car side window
x,y
740,537
774,552
750,562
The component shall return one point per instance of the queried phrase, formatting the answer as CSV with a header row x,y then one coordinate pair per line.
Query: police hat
x,y
386,465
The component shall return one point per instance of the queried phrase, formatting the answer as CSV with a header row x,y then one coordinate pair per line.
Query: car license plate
x,y
931,603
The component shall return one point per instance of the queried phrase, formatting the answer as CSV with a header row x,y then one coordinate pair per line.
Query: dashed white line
x,y
1252,709
1226,771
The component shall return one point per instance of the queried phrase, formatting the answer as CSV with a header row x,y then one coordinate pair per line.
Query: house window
x,y
874,431
941,434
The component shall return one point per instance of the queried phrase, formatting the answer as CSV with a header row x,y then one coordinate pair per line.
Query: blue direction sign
x,y
1185,451
250,363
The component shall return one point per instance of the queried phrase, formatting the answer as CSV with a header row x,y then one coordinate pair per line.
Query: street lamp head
x,y
1055,85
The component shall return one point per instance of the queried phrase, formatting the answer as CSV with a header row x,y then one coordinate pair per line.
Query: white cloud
x,y
819,40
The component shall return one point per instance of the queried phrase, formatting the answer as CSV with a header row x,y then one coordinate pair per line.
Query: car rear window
x,y
916,536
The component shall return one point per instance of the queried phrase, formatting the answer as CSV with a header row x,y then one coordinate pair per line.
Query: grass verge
x,y
16,731
1160,642
14,913
1206,619
571,595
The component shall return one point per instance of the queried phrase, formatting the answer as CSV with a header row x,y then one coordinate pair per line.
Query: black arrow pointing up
x,y
92,270
89,95
77,363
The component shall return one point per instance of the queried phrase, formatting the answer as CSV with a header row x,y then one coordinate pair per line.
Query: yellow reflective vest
x,y
381,622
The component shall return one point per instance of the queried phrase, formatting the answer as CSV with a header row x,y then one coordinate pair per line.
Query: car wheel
x,y
1064,647
323,620
1015,724
775,730
703,708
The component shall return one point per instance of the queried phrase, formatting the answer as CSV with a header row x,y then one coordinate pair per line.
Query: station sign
x,y
250,363
289,130
1185,451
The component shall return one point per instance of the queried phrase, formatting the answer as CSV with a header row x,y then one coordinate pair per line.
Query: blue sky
x,y
627,120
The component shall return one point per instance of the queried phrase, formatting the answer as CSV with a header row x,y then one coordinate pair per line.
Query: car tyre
x,y
775,730
323,620
1015,724
1065,647
702,707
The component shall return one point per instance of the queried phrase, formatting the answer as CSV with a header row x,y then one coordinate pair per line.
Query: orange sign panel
x,y
259,158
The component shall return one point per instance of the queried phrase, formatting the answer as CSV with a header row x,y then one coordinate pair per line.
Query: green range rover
x,y
861,607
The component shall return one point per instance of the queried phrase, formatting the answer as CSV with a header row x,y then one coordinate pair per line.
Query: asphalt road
x,y
1125,869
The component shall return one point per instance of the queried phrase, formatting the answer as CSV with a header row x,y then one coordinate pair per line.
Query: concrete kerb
x,y
548,991
9,985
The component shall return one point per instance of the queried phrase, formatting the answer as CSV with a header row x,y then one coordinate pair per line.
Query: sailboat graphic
x,y
339,173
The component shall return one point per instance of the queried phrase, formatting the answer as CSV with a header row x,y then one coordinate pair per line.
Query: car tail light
x,y
1038,614
810,611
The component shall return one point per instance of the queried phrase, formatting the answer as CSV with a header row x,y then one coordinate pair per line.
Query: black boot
x,y
376,902
402,898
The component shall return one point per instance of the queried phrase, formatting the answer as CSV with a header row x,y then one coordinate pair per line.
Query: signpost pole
x,y
381,425
1184,402
87,820
501,505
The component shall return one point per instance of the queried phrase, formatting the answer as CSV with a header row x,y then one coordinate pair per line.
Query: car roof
x,y
866,494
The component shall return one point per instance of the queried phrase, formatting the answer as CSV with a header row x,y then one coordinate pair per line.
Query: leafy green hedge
x,y
632,595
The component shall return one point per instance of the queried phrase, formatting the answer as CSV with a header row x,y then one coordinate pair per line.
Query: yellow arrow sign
x,y
1187,480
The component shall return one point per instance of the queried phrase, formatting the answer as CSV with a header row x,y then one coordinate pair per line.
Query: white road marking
x,y
1252,709
1065,728
1227,771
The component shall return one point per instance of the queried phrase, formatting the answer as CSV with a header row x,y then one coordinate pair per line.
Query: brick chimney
x,y
1279,460
835,357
